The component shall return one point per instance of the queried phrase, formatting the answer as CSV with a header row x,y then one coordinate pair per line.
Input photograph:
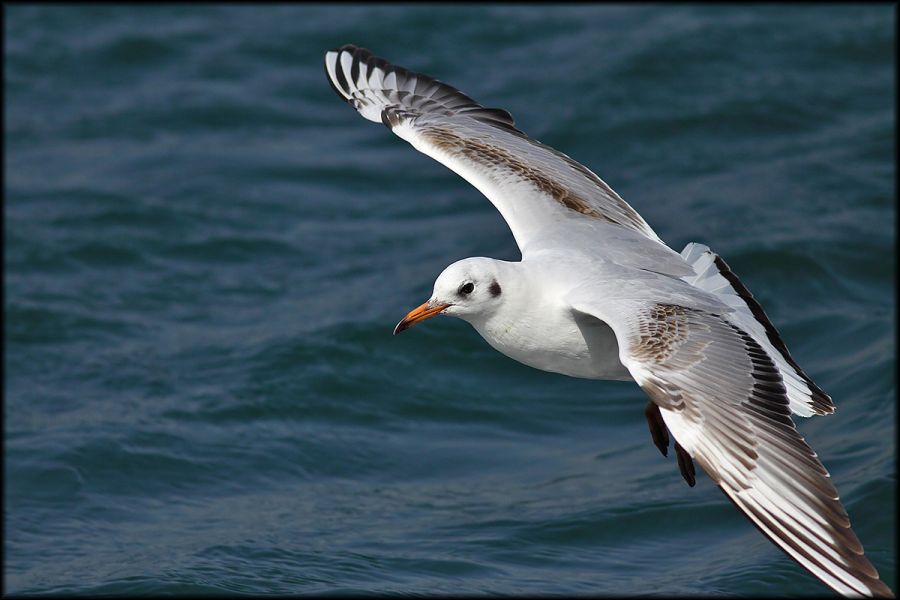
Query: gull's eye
x,y
466,288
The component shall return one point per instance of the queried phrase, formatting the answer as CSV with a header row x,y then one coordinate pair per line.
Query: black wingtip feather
x,y
354,70
331,82
822,403
341,86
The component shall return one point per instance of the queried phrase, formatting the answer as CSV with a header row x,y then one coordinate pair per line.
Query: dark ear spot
x,y
494,289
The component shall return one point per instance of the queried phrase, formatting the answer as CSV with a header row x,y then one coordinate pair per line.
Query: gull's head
x,y
467,289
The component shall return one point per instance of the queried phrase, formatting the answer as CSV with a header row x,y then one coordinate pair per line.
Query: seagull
x,y
598,295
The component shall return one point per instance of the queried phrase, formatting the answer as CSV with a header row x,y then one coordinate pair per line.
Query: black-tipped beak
x,y
420,313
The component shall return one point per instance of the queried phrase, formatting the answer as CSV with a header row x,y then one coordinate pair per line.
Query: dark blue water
x,y
206,251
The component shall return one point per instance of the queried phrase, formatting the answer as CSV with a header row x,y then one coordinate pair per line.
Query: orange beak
x,y
420,313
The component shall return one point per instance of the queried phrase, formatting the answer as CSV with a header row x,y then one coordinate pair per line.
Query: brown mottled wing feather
x,y
533,186
724,401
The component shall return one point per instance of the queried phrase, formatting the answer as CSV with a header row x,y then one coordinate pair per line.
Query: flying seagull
x,y
599,295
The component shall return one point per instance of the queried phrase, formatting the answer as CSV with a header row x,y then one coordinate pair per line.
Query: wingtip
x,y
330,64
338,71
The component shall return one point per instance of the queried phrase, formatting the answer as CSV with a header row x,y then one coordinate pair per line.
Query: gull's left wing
x,y
541,193
725,402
